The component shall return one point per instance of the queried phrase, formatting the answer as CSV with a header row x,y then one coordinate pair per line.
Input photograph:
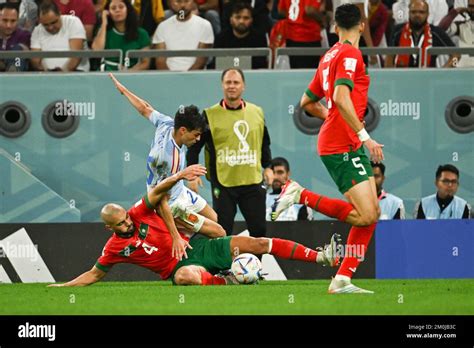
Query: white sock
x,y
342,277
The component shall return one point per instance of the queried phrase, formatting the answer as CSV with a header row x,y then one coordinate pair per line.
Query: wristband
x,y
363,135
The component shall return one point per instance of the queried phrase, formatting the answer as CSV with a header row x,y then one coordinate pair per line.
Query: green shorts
x,y
348,169
212,254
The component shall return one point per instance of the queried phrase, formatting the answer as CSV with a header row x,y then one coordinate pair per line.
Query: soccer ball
x,y
246,268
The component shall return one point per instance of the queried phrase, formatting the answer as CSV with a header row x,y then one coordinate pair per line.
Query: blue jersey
x,y
166,157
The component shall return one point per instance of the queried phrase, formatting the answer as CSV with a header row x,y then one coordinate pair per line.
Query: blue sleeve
x,y
157,118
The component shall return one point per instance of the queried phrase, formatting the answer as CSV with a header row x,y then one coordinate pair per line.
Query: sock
x,y
356,247
287,249
209,279
336,208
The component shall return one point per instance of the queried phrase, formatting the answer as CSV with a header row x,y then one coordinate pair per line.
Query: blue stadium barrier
x,y
425,249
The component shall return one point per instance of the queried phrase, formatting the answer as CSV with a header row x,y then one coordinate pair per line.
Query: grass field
x,y
454,296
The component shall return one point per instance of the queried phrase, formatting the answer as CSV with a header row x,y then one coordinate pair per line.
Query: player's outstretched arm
x,y
343,101
142,106
313,108
179,244
86,278
161,189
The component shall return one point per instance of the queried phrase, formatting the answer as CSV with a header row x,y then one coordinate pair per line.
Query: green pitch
x,y
453,296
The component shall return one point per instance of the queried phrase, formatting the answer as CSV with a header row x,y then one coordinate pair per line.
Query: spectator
x,y
418,33
237,148
184,31
12,38
242,34
82,9
459,24
58,32
437,8
281,174
391,207
150,13
260,14
119,30
28,14
209,9
444,204
304,22
378,21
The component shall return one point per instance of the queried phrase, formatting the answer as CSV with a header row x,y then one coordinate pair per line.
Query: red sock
x,y
356,247
209,279
287,249
336,208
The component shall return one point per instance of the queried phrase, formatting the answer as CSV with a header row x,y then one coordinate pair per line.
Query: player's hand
x,y
121,88
375,150
195,184
193,172
179,248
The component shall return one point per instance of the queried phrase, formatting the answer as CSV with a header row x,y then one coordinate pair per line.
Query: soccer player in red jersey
x,y
343,80
142,238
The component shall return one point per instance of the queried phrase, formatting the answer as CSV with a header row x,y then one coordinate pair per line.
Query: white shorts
x,y
187,207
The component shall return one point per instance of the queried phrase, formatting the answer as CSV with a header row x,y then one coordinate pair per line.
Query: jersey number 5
x,y
326,85
357,164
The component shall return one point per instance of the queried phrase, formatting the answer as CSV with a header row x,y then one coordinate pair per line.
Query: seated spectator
x,y
378,21
418,33
119,30
391,207
438,9
183,31
150,13
304,24
83,9
459,25
242,34
209,9
444,204
28,14
12,38
260,13
58,32
281,174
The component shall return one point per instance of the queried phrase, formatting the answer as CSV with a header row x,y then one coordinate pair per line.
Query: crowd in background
x,y
52,25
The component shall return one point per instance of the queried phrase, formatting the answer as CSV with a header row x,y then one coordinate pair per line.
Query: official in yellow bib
x,y
237,149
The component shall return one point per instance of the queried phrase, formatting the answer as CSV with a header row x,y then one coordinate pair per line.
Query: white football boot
x,y
345,287
290,194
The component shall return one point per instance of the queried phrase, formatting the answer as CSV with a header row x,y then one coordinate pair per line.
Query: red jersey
x,y
83,9
300,27
341,65
149,247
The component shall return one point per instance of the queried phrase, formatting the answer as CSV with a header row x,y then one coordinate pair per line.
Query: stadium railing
x,y
61,54
204,52
319,51
448,50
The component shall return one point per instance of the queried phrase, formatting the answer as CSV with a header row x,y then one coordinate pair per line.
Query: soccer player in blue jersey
x,y
167,156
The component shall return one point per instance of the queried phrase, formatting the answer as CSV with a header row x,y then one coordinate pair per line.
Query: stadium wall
x,y
104,159
401,249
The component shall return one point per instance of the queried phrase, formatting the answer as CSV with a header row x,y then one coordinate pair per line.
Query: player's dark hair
x,y
347,16
280,161
131,22
235,69
446,168
379,165
46,6
240,6
10,6
190,118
